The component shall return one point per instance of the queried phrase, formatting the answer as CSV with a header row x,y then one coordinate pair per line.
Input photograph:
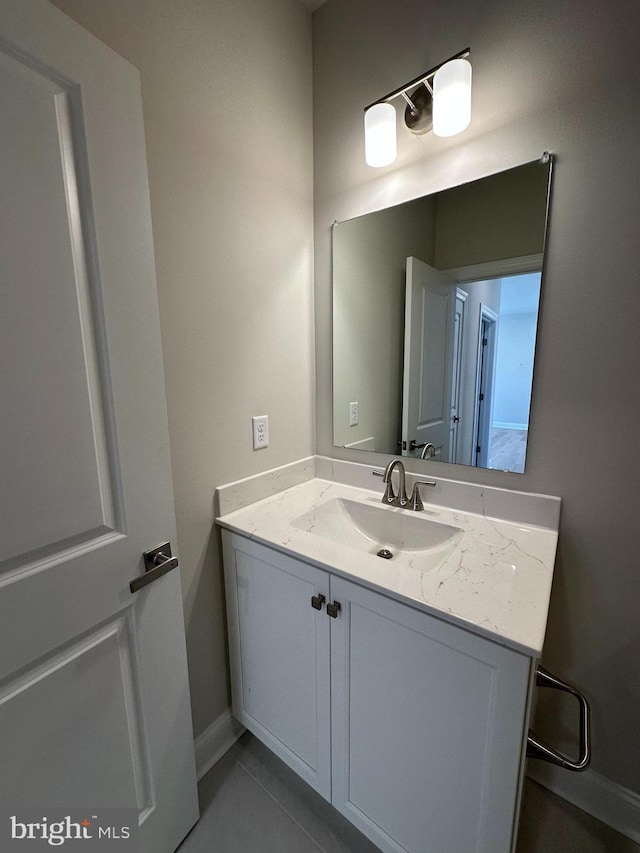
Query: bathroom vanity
x,y
399,688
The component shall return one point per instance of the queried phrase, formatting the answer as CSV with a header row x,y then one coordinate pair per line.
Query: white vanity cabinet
x,y
428,728
279,647
413,728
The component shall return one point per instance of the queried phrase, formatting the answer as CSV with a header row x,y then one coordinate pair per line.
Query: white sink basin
x,y
372,528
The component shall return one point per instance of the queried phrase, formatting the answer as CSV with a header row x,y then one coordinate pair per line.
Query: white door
x,y
428,359
456,374
94,699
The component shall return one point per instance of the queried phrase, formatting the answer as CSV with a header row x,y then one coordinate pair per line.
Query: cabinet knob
x,y
317,601
332,609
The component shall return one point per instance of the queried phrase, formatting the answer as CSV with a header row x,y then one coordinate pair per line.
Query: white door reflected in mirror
x,y
428,360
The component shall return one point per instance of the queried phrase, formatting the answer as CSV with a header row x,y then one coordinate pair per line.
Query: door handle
x,y
157,563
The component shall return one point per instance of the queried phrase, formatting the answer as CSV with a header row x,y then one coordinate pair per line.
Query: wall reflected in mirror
x,y
435,315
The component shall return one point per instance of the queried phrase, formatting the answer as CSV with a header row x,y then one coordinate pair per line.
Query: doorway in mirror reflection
x,y
506,347
468,366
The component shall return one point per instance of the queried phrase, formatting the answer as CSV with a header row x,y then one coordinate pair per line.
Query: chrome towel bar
x,y
537,749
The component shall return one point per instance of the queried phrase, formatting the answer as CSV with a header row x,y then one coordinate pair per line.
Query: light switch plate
x,y
260,431
354,411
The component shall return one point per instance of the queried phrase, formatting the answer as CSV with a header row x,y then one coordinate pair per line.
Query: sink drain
x,y
386,555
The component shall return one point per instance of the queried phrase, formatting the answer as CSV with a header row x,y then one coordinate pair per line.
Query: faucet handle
x,y
416,500
389,495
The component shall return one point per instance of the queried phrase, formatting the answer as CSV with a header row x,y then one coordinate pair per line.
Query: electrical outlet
x,y
260,431
353,414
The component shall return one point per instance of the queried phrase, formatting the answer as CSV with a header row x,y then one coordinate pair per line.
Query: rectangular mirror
x,y
435,312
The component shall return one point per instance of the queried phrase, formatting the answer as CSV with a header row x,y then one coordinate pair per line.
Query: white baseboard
x,y
509,425
215,740
613,804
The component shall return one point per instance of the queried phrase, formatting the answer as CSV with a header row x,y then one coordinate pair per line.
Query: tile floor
x,y
251,802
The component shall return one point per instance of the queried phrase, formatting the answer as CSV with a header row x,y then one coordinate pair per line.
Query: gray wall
x,y
492,220
227,106
562,77
516,347
369,261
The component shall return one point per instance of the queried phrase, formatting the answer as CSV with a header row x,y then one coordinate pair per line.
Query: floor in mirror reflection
x,y
507,449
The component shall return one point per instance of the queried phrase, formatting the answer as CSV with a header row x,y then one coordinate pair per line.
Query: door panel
x,y
279,648
94,678
94,698
428,358
276,671
59,472
427,728
457,374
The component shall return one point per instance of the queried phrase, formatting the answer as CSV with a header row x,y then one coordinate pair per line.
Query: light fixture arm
x,y
423,78
410,104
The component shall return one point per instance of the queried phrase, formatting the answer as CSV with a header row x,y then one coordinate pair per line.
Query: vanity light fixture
x,y
380,134
439,99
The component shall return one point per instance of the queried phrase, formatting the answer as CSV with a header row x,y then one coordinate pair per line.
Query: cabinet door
x,y
279,651
428,728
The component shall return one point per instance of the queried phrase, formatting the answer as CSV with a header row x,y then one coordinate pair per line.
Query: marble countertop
x,y
494,579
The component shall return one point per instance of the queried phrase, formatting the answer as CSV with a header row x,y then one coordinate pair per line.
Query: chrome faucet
x,y
390,497
428,451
